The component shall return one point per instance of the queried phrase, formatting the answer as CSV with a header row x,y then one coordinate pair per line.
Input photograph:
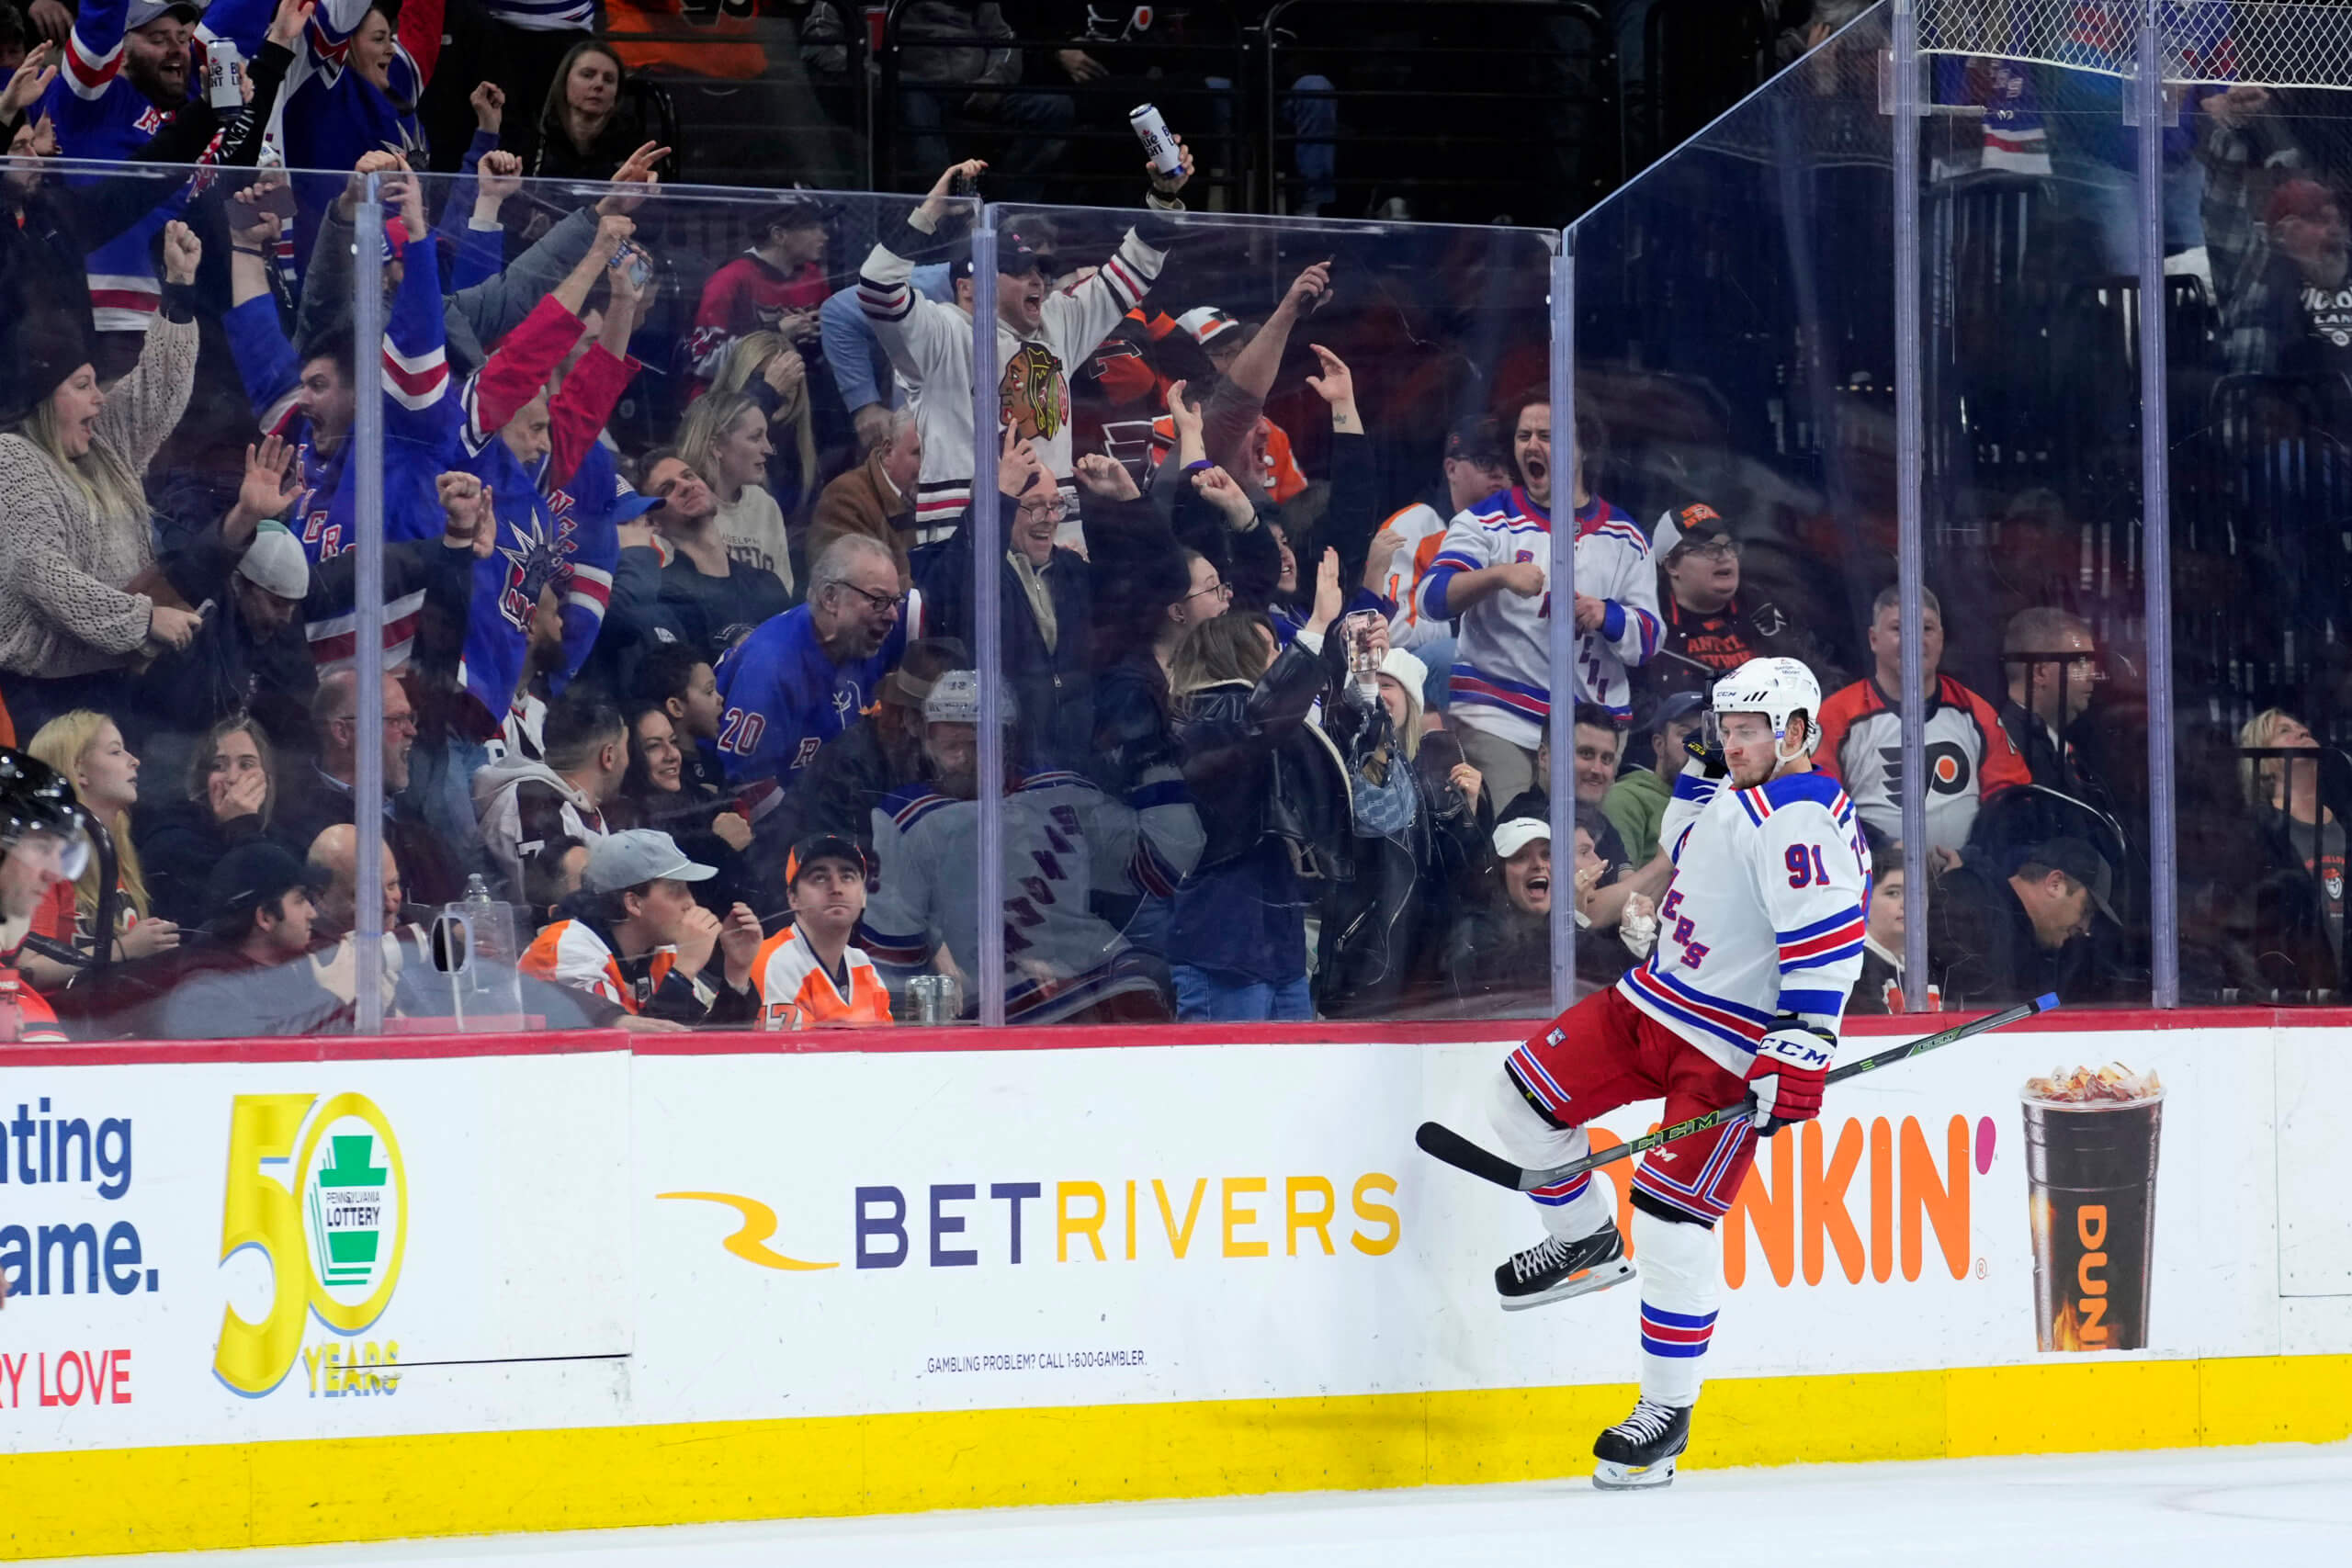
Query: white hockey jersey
x,y
929,345
1419,530
1764,915
1503,658
1064,841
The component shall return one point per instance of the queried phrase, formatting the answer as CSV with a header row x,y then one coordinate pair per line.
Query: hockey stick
x,y
1444,1142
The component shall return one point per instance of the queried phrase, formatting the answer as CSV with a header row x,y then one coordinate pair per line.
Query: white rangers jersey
x,y
1764,915
1503,658
1064,841
929,345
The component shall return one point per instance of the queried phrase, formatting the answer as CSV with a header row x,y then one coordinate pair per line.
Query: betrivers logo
x,y
970,1223
333,1240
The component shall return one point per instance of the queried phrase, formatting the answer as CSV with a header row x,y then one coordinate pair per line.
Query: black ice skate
x,y
1641,1450
1553,1269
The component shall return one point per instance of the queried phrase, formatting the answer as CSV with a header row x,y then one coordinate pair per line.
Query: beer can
x,y
928,995
221,62
1157,139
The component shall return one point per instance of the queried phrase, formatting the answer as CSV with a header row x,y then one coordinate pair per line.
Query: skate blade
x,y
1597,1277
1609,1476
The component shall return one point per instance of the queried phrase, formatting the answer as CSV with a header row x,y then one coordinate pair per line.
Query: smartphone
x,y
963,184
640,266
1324,298
277,198
1356,630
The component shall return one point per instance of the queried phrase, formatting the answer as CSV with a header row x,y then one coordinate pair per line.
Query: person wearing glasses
x,y
433,864
1048,614
1711,630
804,676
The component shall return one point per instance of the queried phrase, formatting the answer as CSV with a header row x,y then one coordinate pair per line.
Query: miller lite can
x,y
1157,139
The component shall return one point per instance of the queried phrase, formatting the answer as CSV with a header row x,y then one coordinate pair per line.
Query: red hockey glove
x,y
1784,1082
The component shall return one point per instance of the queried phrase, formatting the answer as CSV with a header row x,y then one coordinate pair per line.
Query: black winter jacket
x,y
1257,767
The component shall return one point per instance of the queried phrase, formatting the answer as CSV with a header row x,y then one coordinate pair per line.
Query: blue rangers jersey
x,y
1764,915
781,698
420,426
99,116
1503,658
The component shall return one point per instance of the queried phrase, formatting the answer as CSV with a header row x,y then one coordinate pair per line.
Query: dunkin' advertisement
x,y
2091,1141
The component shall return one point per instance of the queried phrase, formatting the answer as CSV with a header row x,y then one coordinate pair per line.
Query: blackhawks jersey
x,y
1763,917
1065,841
1503,658
794,990
929,345
1971,758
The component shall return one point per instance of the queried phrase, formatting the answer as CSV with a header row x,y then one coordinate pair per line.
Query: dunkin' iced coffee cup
x,y
2090,1164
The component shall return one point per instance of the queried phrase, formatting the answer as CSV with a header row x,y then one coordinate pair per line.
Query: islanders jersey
x,y
1502,657
1971,758
1763,917
795,991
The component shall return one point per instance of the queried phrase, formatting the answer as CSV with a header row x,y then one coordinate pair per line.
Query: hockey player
x,y
1760,938
44,845
1040,334
1493,573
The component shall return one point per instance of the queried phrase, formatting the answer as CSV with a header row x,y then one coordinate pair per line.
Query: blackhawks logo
x,y
1034,394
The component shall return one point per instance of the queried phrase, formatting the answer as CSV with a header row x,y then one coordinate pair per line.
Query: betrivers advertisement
x,y
219,1252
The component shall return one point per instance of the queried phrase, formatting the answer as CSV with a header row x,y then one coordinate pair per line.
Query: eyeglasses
x,y
893,602
1217,590
1721,547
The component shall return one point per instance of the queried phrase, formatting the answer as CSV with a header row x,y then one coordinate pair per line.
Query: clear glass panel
x,y
2257,366
660,707
1233,793
155,665
1734,360
2038,744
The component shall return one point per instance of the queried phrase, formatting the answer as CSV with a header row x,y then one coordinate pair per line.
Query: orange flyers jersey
x,y
570,953
25,1017
795,992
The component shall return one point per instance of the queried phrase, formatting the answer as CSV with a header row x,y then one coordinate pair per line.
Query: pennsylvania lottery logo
x,y
351,1205
331,1242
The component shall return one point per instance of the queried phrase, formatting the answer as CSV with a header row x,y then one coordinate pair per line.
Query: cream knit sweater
x,y
63,608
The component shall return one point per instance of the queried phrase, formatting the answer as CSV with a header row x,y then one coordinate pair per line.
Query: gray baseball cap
x,y
636,857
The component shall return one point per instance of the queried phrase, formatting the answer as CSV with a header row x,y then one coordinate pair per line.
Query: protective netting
x,y
2304,44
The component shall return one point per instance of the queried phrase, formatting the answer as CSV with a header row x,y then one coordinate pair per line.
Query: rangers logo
x,y
1034,394
533,561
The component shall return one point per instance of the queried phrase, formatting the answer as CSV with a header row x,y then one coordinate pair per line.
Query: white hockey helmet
x,y
955,698
1776,688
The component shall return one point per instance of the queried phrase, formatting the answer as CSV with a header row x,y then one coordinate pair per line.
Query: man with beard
x,y
837,793
1070,840
126,74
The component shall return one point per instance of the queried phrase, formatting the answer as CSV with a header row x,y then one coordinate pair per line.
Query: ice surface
x,y
2145,1510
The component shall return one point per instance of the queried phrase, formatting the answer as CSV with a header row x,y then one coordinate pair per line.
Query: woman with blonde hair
x,y
79,539
87,749
766,368
2288,795
724,438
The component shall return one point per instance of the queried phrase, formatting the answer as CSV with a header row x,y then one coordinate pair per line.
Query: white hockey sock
x,y
1681,1284
1572,1210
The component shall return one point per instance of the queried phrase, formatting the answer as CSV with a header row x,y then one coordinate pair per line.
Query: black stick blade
x,y
1444,1142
